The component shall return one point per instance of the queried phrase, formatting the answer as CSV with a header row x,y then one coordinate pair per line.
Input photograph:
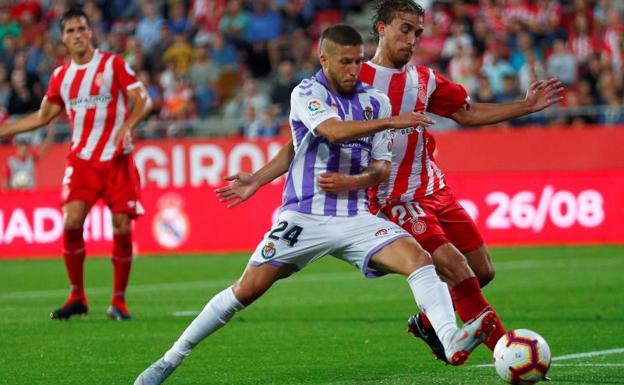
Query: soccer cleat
x,y
118,314
155,374
69,309
415,326
469,337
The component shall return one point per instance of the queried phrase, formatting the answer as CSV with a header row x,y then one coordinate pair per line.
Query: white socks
x,y
433,299
216,314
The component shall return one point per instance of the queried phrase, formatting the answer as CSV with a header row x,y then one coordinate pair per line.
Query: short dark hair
x,y
342,34
386,10
72,13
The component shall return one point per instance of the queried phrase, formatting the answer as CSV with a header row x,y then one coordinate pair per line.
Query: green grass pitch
x,y
324,325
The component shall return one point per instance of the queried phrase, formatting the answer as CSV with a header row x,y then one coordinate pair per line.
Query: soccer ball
x,y
521,357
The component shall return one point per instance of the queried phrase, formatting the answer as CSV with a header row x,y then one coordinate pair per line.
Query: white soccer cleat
x,y
469,337
156,373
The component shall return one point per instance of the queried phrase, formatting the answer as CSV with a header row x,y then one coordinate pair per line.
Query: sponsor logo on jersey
x,y
170,225
368,113
315,107
419,227
381,232
268,251
91,101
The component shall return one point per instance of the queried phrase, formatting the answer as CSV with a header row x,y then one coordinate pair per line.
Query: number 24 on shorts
x,y
291,235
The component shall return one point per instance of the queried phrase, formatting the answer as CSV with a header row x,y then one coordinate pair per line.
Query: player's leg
x,y
465,239
74,214
480,262
407,258
80,189
121,194
122,263
254,282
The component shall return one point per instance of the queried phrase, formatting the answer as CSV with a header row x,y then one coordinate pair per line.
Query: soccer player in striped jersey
x,y
339,125
416,196
104,101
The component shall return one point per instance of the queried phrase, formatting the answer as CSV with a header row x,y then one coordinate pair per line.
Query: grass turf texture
x,y
325,325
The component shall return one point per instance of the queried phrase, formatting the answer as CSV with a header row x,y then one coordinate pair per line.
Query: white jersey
x,y
312,103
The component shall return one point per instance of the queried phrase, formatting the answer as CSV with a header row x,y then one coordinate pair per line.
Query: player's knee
x,y
73,220
122,224
486,275
247,293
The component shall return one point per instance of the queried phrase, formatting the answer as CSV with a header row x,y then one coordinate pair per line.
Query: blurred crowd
x,y
240,59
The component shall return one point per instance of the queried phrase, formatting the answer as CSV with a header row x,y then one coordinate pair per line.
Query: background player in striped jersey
x,y
416,196
104,101
337,124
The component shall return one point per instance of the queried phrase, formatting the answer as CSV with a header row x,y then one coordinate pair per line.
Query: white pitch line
x,y
573,356
590,365
589,354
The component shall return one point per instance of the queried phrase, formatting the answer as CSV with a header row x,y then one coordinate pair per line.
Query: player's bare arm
x,y
333,182
140,105
243,184
43,116
338,131
540,95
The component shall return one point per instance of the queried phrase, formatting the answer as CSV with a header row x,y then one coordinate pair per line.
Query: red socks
x,y
469,303
122,261
74,255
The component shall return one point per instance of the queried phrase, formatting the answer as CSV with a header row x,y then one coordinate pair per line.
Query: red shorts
x,y
435,220
116,182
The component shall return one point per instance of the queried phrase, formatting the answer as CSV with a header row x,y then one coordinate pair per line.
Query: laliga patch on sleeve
x,y
315,107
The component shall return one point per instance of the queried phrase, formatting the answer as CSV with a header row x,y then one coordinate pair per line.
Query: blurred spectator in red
x,y
205,16
178,101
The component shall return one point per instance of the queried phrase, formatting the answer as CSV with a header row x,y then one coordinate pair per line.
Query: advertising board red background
x,y
527,187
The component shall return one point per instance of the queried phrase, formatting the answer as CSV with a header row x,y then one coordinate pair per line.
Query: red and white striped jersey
x,y
95,98
414,173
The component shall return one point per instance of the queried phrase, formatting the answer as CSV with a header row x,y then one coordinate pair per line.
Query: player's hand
x,y
333,182
242,186
544,93
120,135
411,119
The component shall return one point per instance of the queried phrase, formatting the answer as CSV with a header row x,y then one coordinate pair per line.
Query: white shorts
x,y
297,239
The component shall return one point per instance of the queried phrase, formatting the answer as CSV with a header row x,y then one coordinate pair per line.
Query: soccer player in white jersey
x,y
416,196
338,125
104,101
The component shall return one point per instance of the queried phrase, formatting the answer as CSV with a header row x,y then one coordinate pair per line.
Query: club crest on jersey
x,y
268,251
419,227
99,79
368,113
315,107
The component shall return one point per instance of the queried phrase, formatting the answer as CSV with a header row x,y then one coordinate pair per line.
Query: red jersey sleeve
x,y
124,74
53,94
447,98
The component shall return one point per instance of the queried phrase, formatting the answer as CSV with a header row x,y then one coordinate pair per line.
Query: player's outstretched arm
x,y
376,172
46,113
243,184
140,105
540,94
338,131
